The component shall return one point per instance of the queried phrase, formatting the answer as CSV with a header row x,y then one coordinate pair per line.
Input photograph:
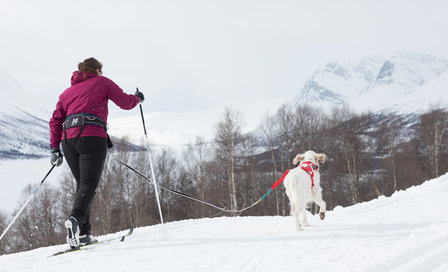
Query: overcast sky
x,y
194,54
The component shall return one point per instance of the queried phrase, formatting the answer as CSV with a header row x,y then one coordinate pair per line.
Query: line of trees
x,y
369,155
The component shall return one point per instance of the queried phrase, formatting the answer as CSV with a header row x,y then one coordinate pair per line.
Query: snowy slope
x,y
395,82
433,93
405,232
24,126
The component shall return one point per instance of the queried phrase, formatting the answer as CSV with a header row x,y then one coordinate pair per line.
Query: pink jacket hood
x,y
78,77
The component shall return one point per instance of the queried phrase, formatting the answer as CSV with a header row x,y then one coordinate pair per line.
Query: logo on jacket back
x,y
75,121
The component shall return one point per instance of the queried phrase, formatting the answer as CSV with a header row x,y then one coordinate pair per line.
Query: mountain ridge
x,y
376,83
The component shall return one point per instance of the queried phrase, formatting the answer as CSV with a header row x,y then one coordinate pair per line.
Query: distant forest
x,y
369,155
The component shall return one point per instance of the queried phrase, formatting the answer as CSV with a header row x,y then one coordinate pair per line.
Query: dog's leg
x,y
295,214
322,211
317,198
303,220
300,207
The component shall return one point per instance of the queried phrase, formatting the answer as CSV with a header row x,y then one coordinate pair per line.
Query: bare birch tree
x,y
195,159
271,138
348,130
284,128
431,129
4,243
227,136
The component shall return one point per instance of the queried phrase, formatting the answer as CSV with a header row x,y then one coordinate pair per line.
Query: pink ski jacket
x,y
87,94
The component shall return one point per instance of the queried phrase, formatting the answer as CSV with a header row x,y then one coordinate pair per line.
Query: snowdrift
x,y
405,232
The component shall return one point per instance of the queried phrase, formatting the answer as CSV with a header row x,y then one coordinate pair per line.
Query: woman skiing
x,y
79,122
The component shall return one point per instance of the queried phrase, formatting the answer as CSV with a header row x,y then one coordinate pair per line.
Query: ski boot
x,y
72,227
87,239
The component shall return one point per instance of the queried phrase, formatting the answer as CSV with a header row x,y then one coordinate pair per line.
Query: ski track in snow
x,y
405,232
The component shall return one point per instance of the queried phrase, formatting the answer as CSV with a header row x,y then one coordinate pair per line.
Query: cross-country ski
x,y
90,245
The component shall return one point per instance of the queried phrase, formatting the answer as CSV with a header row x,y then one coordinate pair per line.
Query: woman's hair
x,y
89,66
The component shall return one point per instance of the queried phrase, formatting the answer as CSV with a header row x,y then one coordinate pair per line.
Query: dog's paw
x,y
322,215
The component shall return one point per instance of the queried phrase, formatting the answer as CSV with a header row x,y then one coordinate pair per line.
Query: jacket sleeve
x,y
121,99
56,125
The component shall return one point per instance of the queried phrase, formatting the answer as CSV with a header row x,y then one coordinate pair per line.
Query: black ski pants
x,y
85,157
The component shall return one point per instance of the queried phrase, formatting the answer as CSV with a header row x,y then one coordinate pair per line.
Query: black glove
x,y
56,157
140,95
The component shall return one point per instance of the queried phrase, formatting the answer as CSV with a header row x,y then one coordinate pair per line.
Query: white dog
x,y
303,186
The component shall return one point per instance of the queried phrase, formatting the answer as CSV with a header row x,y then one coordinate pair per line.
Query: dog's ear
x,y
320,157
298,158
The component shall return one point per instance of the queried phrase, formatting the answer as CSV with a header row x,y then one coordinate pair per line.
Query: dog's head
x,y
310,156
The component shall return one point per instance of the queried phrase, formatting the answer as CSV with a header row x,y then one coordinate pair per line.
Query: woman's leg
x,y
92,155
72,159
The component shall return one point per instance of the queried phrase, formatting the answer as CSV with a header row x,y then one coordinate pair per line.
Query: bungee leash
x,y
204,202
173,191
277,183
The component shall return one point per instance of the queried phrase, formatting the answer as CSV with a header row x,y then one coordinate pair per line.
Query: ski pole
x,y
152,169
26,203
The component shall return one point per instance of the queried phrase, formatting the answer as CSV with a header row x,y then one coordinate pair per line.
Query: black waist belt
x,y
81,120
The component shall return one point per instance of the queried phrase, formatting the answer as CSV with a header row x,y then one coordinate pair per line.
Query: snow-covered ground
x,y
405,232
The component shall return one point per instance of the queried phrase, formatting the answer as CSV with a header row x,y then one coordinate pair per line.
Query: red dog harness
x,y
309,167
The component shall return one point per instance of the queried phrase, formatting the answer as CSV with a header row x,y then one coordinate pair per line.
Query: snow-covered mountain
x,y
24,126
405,232
399,82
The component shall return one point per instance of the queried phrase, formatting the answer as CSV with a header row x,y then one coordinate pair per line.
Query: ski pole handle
x,y
143,117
